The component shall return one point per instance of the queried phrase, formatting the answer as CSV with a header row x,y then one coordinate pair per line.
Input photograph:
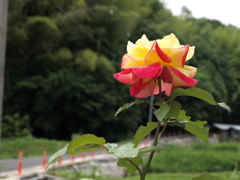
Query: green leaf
x,y
179,123
194,127
57,154
182,116
162,111
148,149
143,131
206,177
85,148
235,175
124,151
174,110
128,105
198,131
130,164
223,105
194,92
198,93
86,140
83,143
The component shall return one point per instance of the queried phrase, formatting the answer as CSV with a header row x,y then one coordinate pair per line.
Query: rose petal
x,y
150,71
178,55
174,42
143,88
180,79
167,87
164,57
190,53
166,75
125,76
131,61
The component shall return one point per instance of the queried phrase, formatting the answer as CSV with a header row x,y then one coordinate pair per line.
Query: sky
x,y
226,11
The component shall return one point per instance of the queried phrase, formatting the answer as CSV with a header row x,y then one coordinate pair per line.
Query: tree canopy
x,y
61,56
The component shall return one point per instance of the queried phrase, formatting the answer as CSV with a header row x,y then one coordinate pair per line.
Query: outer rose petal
x,y
177,55
167,75
131,61
156,54
174,42
147,72
188,71
168,88
164,57
169,41
180,79
143,88
125,77
190,53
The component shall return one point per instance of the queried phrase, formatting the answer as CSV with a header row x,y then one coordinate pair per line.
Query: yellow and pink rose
x,y
146,61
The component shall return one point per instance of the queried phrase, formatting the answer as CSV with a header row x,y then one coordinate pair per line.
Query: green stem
x,y
152,153
151,105
157,135
160,89
139,170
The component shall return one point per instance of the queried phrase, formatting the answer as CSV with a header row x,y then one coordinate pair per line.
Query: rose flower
x,y
147,61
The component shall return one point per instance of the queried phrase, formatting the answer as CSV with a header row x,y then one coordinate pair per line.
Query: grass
x,y
73,173
200,157
174,176
30,146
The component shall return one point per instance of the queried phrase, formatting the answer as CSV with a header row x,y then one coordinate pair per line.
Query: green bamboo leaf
x,y
162,111
198,93
143,131
148,149
83,143
124,151
130,164
128,105
206,177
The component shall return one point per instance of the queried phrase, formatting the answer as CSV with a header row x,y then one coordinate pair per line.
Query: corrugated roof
x,y
226,126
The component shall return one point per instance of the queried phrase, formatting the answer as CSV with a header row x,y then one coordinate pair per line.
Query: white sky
x,y
226,11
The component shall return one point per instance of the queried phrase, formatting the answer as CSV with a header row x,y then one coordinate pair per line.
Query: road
x,y
12,164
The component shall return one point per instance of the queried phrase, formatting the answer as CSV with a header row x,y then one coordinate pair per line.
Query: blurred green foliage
x,y
30,146
16,126
199,157
61,56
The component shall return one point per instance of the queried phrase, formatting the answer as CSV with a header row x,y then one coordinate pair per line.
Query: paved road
x,y
12,164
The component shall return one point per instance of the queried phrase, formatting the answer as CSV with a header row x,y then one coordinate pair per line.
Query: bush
x,y
16,126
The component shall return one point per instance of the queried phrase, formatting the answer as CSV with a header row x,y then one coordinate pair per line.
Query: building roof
x,y
226,126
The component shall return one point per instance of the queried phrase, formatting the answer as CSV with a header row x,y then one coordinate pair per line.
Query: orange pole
x,y
145,142
105,152
73,158
20,156
92,154
83,156
60,161
44,160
